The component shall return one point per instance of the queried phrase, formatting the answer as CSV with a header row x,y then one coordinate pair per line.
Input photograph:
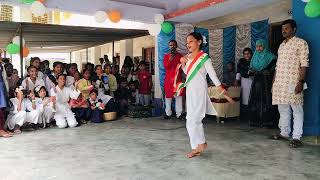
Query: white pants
x,y
286,111
22,117
144,99
195,131
64,120
178,106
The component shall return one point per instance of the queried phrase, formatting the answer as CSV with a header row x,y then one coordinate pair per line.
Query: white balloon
x,y
38,9
16,40
154,29
158,18
306,1
100,16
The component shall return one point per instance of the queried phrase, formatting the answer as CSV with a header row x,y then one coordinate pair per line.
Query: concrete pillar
x,y
126,49
97,55
157,89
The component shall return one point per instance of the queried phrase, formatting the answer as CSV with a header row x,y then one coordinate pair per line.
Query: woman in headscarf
x,y
262,67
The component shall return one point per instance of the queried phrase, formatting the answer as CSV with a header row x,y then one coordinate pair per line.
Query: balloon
x,y
114,16
16,40
28,1
312,9
100,16
13,48
25,52
167,27
154,29
306,1
158,18
38,9
42,1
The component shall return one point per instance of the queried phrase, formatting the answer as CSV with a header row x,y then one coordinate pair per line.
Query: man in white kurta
x,y
289,83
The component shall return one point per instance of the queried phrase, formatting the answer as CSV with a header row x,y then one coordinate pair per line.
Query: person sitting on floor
x,y
122,96
134,94
64,116
23,111
32,81
81,109
51,79
96,106
84,84
113,85
46,105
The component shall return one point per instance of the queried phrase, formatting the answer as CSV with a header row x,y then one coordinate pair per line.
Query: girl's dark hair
x,y
57,63
143,63
85,70
247,50
198,37
65,76
34,59
37,93
95,68
30,67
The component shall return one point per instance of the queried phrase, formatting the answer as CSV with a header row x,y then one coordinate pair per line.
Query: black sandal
x,y
278,137
295,143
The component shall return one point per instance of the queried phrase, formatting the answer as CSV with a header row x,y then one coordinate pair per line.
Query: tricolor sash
x,y
192,69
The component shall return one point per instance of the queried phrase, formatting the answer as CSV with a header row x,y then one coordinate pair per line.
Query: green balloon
x,y
167,27
312,9
13,48
28,1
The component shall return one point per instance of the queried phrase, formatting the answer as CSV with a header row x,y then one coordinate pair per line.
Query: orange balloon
x,y
42,1
114,16
25,52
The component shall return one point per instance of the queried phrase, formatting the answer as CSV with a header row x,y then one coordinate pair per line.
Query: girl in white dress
x,y
197,65
45,104
24,110
61,95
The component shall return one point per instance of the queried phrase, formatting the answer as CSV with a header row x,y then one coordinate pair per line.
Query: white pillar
x,y
126,49
157,88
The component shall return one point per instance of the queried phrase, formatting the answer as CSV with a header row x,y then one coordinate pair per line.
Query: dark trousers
x,y
96,115
82,113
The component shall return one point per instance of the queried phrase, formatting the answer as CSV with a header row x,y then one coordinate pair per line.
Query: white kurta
x,y
16,117
47,111
64,116
199,103
28,84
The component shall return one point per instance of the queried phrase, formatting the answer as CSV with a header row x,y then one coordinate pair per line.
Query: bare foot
x,y
202,147
4,134
193,153
17,130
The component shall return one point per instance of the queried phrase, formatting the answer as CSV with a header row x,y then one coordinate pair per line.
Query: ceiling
x,y
63,38
144,10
